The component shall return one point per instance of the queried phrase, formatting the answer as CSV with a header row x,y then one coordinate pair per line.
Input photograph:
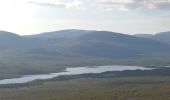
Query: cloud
x,y
68,5
135,4
75,5
47,4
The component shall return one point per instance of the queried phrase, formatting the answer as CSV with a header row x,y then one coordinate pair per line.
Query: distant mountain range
x,y
162,37
34,53
61,34
85,43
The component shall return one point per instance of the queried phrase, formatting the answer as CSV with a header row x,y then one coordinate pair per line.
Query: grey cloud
x,y
110,4
136,4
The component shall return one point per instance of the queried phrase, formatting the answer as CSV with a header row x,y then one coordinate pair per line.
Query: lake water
x,y
71,71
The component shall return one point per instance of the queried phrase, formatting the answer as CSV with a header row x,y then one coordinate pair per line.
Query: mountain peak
x,y
7,34
70,33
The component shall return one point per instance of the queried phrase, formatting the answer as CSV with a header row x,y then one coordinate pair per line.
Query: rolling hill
x,y
53,51
163,37
75,43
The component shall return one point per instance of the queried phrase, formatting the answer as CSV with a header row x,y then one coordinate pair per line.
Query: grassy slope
x,y
122,88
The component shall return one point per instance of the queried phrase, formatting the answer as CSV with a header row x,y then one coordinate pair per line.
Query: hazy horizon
x,y
124,16
80,29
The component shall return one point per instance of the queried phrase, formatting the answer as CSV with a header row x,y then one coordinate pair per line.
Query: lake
x,y
71,71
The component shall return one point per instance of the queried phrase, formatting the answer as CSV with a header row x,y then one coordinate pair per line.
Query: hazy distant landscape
x,y
54,51
84,49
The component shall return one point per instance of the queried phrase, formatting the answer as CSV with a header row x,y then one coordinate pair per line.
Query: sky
x,y
125,16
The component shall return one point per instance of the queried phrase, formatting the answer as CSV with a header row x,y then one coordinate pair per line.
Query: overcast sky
x,y
125,16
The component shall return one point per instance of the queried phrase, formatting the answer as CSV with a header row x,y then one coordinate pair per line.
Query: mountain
x,y
84,43
163,37
117,45
99,44
6,35
53,51
72,33
8,39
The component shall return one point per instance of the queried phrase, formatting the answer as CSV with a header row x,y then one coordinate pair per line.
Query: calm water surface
x,y
72,71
